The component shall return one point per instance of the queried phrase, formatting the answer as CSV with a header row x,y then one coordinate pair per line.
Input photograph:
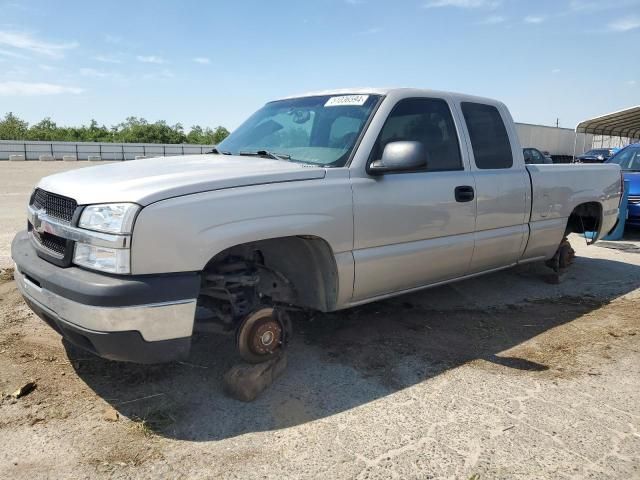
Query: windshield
x,y
628,159
319,130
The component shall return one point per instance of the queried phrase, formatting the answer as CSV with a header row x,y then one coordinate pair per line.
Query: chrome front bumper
x,y
142,319
155,321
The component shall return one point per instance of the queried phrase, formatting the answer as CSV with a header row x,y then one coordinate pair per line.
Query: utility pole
x,y
557,123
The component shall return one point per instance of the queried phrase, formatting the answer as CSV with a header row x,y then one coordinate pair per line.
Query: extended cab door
x,y
414,228
503,188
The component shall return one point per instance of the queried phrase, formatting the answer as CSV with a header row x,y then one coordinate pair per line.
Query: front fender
x,y
184,233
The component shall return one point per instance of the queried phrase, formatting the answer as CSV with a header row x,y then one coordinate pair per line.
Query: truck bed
x,y
557,190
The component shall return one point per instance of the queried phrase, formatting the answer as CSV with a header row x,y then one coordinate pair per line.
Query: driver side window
x,y
344,131
425,120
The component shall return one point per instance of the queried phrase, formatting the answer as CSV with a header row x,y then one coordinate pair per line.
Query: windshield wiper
x,y
215,151
266,153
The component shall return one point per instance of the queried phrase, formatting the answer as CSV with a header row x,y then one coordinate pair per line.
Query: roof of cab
x,y
404,91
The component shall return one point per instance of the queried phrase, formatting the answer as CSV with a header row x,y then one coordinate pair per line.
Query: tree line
x,y
132,130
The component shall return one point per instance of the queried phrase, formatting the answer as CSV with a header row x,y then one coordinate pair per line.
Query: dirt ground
x,y
502,376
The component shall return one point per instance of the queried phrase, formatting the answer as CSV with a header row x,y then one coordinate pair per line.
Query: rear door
x,y
502,186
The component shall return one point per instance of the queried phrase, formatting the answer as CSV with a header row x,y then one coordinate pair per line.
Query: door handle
x,y
464,193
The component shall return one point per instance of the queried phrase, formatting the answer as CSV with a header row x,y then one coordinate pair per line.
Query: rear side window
x,y
426,120
489,139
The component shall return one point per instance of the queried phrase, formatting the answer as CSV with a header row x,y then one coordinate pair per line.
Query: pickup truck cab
x,y
321,201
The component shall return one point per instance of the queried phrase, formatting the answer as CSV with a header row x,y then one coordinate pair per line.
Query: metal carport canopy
x,y
625,123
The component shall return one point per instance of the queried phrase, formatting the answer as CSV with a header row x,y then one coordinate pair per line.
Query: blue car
x,y
629,160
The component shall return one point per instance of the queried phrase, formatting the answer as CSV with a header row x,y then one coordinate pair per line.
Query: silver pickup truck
x,y
317,202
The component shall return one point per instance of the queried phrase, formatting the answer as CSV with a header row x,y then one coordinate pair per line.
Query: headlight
x,y
111,260
110,217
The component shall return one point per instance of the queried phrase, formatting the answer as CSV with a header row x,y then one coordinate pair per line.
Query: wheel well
x,y
307,264
586,217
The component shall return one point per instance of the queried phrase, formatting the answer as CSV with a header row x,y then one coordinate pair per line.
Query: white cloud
x,y
15,72
493,20
8,53
555,71
24,41
632,83
625,24
354,2
107,59
462,3
533,19
46,68
150,59
32,89
202,60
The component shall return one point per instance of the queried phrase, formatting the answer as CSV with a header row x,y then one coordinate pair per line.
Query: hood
x,y
634,182
149,180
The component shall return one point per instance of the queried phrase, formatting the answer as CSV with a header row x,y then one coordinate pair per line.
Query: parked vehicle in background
x,y
559,142
629,160
318,202
535,156
596,155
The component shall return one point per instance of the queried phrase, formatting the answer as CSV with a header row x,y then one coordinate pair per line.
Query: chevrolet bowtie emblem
x,y
37,221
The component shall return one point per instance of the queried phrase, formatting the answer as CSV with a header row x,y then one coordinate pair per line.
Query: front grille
x,y
635,199
55,205
54,243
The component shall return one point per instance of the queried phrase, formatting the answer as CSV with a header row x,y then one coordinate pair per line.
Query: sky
x,y
213,63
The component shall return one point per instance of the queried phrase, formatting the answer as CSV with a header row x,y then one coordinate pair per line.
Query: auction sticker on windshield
x,y
347,100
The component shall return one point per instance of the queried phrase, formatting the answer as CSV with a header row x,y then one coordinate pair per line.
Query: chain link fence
x,y
32,150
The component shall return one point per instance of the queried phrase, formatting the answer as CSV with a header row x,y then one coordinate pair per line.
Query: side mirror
x,y
399,157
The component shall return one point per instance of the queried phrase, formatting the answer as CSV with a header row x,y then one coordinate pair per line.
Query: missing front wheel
x,y
263,334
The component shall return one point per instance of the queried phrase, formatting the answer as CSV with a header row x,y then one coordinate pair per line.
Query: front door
x,y
414,228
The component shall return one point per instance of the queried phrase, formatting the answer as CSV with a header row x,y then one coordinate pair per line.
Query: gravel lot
x,y
503,376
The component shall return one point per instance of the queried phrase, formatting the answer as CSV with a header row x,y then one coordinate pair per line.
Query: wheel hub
x,y
262,335
265,336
